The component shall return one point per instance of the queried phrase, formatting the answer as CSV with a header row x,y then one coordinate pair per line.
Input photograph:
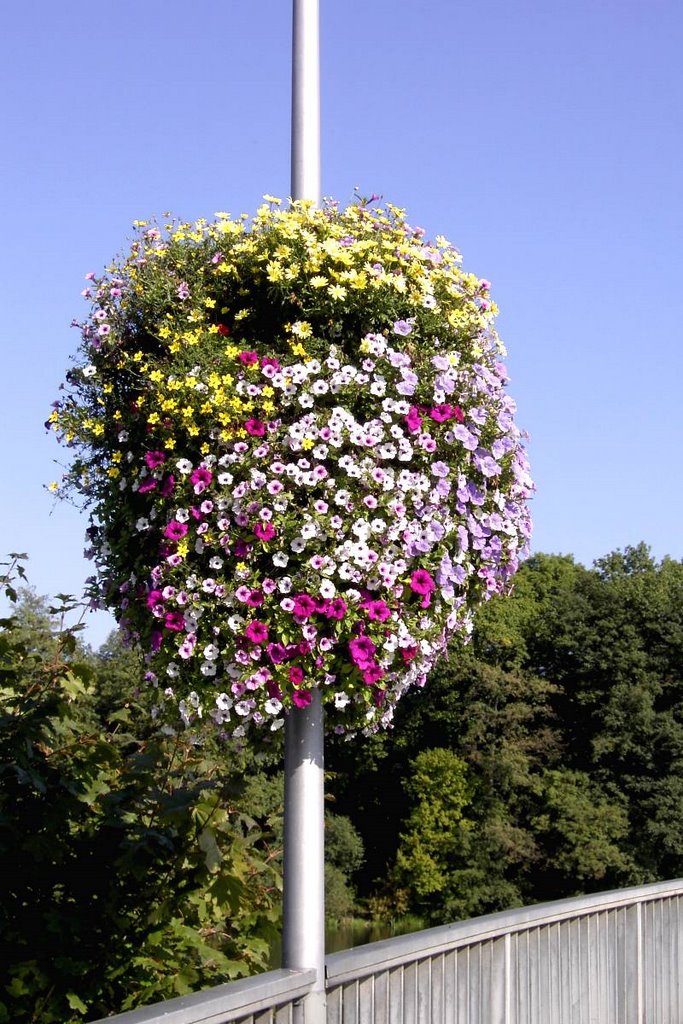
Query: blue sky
x,y
542,137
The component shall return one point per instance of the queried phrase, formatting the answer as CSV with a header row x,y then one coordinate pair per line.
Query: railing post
x,y
303,929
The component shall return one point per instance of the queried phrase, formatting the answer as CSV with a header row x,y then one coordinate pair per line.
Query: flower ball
x,y
300,461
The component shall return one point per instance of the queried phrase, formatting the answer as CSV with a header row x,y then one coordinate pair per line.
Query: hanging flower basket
x,y
299,458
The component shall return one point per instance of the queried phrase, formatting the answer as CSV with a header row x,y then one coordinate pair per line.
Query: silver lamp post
x,y
303,928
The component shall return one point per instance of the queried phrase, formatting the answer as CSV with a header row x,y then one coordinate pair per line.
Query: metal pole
x,y
303,930
306,101
303,925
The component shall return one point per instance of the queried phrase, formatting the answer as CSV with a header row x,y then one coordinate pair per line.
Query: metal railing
x,y
607,958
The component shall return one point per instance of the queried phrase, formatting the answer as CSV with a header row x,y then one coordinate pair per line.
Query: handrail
x,y
223,1003
363,960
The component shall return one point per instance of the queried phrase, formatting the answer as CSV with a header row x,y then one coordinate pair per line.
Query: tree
x,y
130,871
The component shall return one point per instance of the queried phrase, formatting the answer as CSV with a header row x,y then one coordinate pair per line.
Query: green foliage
x,y
436,828
567,712
580,827
130,869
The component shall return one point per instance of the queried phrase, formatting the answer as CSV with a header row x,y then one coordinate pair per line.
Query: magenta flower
x,y
175,621
255,599
304,606
175,530
149,485
296,675
421,582
302,698
362,651
378,611
155,597
201,477
257,632
277,653
273,689
442,413
154,459
372,674
413,420
337,608
167,487
265,531
255,427
248,358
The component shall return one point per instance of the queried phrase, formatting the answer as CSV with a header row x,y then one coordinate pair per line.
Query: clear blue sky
x,y
543,137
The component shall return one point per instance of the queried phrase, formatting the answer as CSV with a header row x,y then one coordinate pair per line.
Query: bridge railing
x,y
607,958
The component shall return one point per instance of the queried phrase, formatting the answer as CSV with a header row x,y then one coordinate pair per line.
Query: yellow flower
x,y
274,271
302,329
318,281
336,291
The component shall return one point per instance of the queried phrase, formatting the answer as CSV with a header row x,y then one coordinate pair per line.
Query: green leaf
x,y
208,844
75,1003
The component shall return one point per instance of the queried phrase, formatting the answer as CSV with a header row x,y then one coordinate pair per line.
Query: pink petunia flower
x,y
248,358
421,582
265,531
372,674
304,606
362,651
378,611
257,632
174,621
154,459
413,420
201,477
175,530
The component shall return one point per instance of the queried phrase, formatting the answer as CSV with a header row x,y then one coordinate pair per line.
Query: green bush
x,y
130,872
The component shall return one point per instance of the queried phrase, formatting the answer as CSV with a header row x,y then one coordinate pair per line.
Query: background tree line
x,y
542,760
